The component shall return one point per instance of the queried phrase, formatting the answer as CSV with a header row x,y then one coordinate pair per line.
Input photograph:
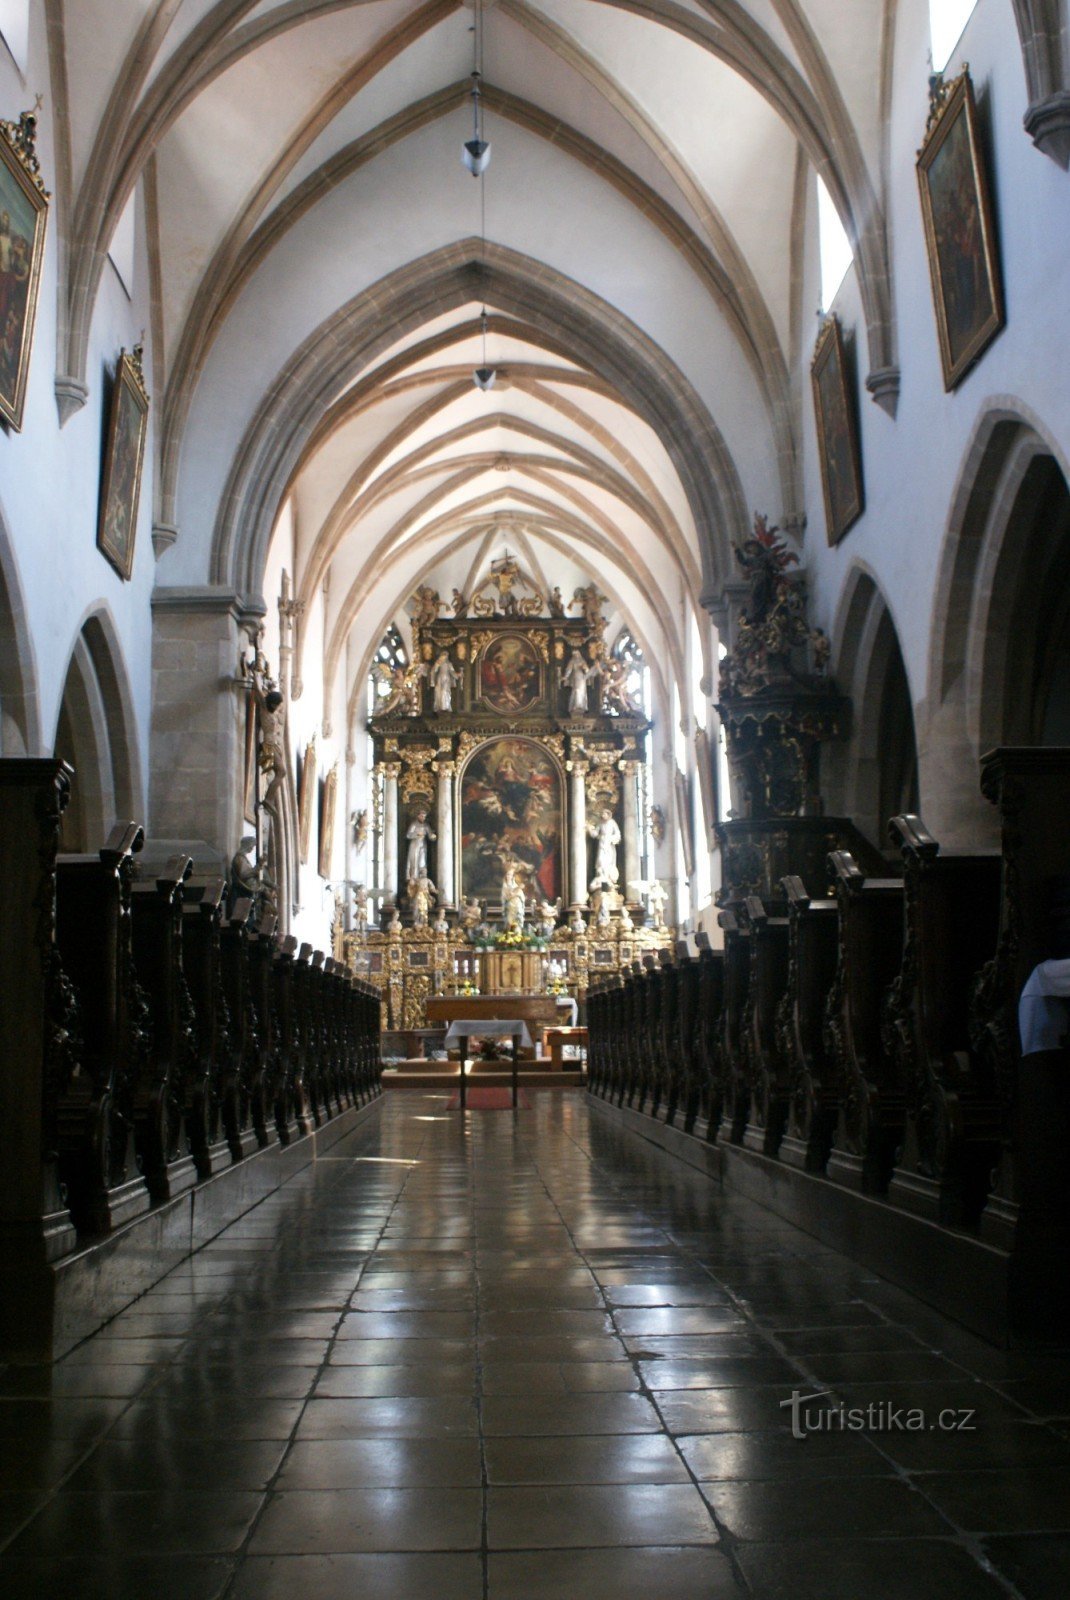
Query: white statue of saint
x,y
418,834
607,833
575,677
514,900
444,679
656,898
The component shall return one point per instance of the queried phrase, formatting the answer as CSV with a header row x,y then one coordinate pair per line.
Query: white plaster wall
x,y
50,479
912,464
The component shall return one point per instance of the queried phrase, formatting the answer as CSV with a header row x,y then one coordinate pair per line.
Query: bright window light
x,y
836,253
698,699
947,20
121,249
15,28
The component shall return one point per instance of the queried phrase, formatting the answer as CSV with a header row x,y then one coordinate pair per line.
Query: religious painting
x,y
705,769
23,217
511,807
684,821
959,232
305,794
837,433
124,456
510,675
328,804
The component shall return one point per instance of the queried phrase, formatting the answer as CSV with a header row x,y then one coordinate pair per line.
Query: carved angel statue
x,y
427,604
657,824
360,909
607,833
444,679
359,824
460,604
404,693
547,913
471,915
615,692
576,922
591,602
575,677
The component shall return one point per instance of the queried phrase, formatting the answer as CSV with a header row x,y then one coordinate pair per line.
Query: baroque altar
x,y
508,795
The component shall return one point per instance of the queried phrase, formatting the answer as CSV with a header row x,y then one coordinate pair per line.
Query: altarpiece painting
x,y
511,806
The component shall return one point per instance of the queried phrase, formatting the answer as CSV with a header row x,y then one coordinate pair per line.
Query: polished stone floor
x,y
528,1357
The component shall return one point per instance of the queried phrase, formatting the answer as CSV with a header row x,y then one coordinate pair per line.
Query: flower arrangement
x,y
510,939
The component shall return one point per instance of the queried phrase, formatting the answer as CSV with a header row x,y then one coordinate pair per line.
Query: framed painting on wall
x,y
510,675
306,795
327,809
959,232
837,432
124,457
23,219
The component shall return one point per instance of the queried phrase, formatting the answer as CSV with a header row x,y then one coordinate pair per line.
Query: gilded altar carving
x,y
418,778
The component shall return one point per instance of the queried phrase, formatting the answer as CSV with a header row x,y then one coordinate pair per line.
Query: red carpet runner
x,y
489,1099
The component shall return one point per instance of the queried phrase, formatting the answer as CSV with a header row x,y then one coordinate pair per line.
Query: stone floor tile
x,y
667,1574
337,1521
864,1507
381,1464
605,1458
152,1522
847,1569
350,1577
588,1515
90,1577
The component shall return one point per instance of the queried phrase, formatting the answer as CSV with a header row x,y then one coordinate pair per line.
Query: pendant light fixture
x,y
476,157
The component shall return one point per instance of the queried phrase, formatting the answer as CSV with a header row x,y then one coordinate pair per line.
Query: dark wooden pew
x,y
292,1112
734,1037
39,1029
767,1065
869,1129
952,1139
249,1020
687,1001
96,1113
708,1021
815,1084
215,1109
168,1125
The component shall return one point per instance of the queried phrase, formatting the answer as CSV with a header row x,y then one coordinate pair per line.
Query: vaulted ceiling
x,y
321,260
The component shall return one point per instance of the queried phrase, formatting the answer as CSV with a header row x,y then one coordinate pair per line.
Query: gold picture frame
x,y
960,236
306,800
124,459
328,805
837,432
24,202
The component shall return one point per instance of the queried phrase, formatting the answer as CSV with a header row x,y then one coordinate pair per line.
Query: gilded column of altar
x,y
630,872
578,836
391,771
447,877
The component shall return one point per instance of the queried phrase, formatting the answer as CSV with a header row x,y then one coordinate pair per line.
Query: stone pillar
x,y
630,833
197,772
577,812
445,876
391,771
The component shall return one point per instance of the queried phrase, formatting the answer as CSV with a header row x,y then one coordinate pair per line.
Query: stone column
x,y
630,832
445,878
578,837
391,771
197,777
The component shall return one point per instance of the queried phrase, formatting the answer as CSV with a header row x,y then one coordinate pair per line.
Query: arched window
x,y
947,21
833,244
15,30
390,655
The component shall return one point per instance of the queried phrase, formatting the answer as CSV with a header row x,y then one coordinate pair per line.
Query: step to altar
x,y
417,1074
